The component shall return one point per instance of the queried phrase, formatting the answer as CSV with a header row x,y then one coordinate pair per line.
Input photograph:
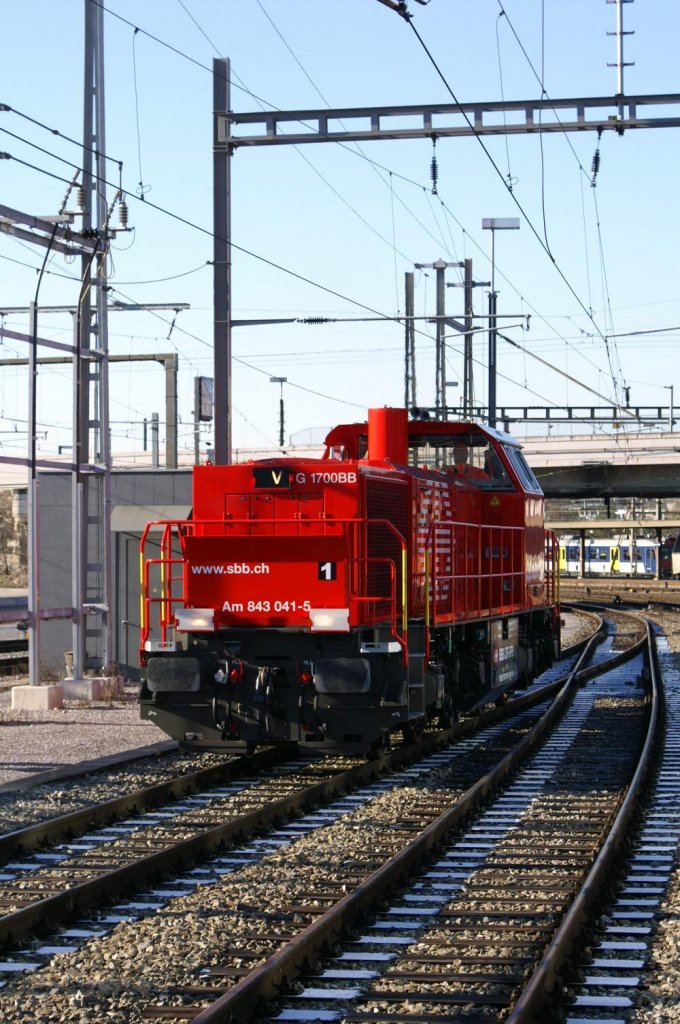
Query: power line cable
x,y
511,181
142,189
541,81
188,223
355,149
204,34
237,359
529,304
6,108
243,362
501,177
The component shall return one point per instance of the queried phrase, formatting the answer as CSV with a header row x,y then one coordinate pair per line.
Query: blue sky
x,y
349,221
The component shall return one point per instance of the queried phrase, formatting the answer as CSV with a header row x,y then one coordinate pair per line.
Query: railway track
x,y
178,821
482,931
444,779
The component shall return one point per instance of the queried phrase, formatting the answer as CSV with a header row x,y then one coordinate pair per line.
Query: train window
x,y
522,468
468,456
342,675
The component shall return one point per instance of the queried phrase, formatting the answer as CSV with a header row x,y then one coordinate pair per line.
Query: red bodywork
x,y
356,539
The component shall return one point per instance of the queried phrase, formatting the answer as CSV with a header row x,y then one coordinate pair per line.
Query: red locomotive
x,y
328,602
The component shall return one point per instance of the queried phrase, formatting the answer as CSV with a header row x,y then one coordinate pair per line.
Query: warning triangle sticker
x,y
495,502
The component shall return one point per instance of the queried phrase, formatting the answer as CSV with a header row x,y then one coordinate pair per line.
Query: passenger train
x,y
616,556
404,576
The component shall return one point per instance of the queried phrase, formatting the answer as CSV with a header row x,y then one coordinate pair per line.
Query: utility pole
x,y
440,342
468,330
409,343
222,266
49,233
468,370
494,224
281,381
33,509
155,462
670,387
92,557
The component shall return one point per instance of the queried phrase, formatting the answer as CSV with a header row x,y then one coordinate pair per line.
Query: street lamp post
x,y
670,387
494,224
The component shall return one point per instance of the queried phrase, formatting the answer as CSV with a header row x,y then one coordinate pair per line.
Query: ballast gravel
x,y
112,979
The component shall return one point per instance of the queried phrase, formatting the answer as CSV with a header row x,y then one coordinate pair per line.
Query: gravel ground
x,y
35,742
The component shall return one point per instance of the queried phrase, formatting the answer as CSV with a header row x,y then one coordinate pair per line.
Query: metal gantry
x,y
443,120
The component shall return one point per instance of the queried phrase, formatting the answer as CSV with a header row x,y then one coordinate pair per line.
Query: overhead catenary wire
x,y
142,189
402,10
201,341
206,69
596,159
247,252
405,206
501,177
260,100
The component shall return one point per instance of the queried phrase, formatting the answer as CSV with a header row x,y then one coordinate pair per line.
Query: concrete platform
x,y
38,698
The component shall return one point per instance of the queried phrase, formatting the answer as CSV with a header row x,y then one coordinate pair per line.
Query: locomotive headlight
x,y
195,620
331,620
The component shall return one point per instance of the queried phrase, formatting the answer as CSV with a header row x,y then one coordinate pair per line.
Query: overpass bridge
x,y
618,464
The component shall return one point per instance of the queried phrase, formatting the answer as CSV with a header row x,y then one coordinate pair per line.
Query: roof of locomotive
x,y
419,431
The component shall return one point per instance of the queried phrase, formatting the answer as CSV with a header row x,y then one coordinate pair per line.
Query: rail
x,y
244,998
544,978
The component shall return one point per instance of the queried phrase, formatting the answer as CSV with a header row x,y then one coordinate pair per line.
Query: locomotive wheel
x,y
414,730
446,716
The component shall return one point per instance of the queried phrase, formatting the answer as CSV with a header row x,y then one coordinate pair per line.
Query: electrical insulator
x,y
123,214
596,165
596,161
80,197
434,170
434,174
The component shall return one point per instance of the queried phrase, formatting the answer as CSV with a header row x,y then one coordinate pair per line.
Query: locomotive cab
x,y
403,577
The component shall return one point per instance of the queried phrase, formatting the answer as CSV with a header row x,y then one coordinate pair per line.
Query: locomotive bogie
x,y
328,694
